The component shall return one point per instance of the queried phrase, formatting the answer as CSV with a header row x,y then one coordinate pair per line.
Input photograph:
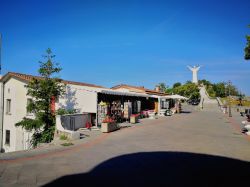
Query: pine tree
x,y
44,90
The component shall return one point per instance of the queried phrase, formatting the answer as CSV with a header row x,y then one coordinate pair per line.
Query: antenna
x,y
0,53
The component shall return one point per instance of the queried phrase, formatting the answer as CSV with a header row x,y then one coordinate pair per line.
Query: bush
x,y
45,136
63,111
67,144
63,137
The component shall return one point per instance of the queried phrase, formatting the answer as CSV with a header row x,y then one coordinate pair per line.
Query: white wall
x,y
15,90
1,113
122,89
81,98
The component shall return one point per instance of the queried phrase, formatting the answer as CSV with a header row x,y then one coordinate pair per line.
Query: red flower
x,y
108,120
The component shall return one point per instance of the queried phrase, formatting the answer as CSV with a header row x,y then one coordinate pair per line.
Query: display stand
x,y
102,112
127,110
116,111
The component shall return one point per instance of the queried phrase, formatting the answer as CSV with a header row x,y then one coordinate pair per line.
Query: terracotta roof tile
x,y
138,88
128,86
26,77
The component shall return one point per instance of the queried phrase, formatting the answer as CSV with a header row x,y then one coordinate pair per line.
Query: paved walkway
x,y
195,148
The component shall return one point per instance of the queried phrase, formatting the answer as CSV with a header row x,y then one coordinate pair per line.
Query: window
x,y
7,137
29,100
8,106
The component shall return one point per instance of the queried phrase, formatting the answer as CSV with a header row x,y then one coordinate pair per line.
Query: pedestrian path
x,y
192,146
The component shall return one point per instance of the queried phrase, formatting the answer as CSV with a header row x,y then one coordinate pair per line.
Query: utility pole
x,y
229,101
0,53
1,98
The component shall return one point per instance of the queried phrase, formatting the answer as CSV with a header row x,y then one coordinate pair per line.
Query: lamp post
x,y
229,99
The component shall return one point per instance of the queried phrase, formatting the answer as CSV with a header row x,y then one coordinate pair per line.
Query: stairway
x,y
93,128
209,104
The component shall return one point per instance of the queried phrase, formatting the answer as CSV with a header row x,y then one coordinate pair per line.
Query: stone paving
x,y
186,144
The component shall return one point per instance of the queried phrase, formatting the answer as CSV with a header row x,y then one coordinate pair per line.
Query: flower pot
x,y
134,119
151,115
109,127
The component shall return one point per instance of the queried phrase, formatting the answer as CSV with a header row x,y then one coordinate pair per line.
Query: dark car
x,y
193,101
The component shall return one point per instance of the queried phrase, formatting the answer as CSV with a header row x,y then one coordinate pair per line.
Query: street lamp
x,y
229,100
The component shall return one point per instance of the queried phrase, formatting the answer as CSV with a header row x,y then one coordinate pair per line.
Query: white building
x,y
80,96
14,99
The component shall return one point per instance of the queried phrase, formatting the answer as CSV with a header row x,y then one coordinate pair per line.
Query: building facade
x,y
80,97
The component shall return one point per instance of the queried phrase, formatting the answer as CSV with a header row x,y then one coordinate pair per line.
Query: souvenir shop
x,y
166,103
120,106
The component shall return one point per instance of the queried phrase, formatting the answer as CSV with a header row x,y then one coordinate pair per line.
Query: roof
x,y
139,89
112,92
28,78
176,96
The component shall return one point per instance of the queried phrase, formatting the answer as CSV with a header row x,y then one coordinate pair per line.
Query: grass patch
x,y
236,102
67,144
63,137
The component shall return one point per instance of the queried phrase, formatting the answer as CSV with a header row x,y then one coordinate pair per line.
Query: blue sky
x,y
132,42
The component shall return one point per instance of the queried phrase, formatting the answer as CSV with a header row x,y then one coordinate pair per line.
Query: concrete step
x,y
94,128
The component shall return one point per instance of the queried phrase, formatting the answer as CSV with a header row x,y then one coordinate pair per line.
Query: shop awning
x,y
175,97
126,93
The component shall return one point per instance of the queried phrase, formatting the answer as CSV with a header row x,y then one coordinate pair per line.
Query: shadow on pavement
x,y
186,112
162,169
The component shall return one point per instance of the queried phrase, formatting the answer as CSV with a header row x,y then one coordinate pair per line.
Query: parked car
x,y
193,101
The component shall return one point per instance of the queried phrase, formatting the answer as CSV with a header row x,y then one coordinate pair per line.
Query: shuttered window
x,y
7,137
8,106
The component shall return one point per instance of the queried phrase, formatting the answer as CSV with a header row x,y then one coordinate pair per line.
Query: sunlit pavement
x,y
180,139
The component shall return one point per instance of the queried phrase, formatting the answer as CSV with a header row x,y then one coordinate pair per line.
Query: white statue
x,y
194,70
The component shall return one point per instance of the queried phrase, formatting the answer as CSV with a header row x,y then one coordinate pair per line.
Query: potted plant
x,y
134,118
151,114
145,113
109,125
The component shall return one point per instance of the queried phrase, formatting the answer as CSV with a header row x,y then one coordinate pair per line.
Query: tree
x,y
204,82
189,82
169,90
176,84
233,90
44,90
247,48
189,90
210,90
220,89
162,87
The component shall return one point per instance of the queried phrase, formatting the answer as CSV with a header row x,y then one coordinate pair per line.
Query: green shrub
x,y
63,137
63,111
67,144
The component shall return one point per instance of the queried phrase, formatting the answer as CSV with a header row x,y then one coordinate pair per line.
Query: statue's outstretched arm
x,y
190,68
